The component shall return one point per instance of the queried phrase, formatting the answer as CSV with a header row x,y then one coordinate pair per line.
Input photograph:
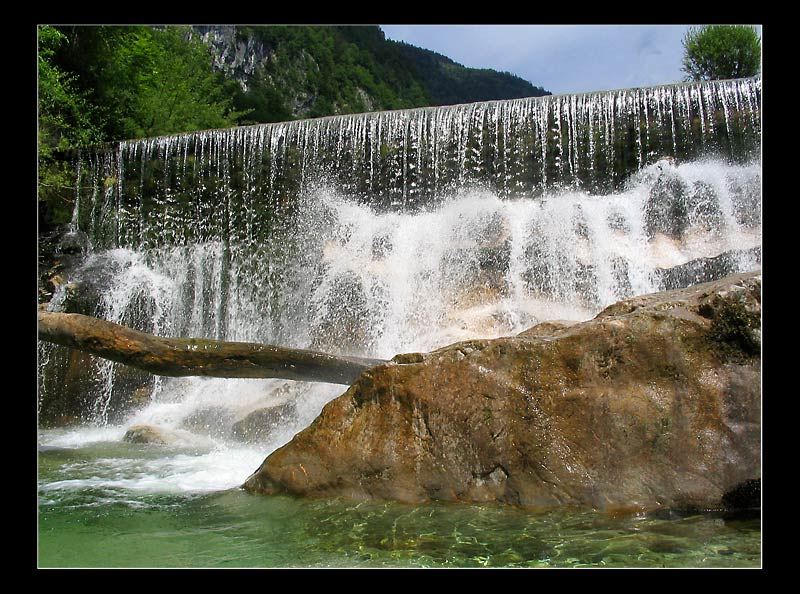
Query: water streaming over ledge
x,y
230,184
393,232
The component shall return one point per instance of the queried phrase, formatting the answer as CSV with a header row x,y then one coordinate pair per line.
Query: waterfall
x,y
381,233
231,184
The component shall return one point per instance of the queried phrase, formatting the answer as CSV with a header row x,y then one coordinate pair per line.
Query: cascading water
x,y
382,233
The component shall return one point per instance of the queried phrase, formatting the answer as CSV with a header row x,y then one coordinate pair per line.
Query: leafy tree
x,y
164,83
100,84
66,119
108,83
265,101
327,70
147,81
716,52
65,115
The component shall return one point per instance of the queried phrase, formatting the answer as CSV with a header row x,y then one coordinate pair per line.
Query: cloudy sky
x,y
560,58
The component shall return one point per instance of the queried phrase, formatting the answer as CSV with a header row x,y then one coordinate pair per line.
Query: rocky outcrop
x,y
654,403
237,57
86,283
72,383
674,206
703,270
61,251
261,423
214,421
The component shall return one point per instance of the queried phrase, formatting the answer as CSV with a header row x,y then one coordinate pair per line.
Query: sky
x,y
563,59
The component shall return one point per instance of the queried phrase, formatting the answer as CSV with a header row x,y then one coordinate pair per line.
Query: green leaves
x,y
123,82
111,83
166,84
717,52
326,70
66,118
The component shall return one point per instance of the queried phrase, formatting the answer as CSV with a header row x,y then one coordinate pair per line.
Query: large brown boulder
x,y
653,403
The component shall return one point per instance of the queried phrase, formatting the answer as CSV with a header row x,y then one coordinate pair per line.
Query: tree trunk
x,y
178,357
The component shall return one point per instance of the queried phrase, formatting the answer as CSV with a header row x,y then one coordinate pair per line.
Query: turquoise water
x,y
103,505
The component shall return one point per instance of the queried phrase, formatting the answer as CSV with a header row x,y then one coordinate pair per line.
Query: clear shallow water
x,y
113,504
404,240
477,266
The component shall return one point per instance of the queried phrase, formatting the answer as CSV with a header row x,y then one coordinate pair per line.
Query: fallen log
x,y
179,357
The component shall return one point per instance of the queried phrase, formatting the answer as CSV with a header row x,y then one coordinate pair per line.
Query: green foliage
x,y
66,119
265,101
349,69
108,83
146,81
140,81
717,52
161,81
320,71
65,115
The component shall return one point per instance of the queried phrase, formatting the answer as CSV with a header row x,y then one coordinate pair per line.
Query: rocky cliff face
x,y
653,403
346,69
244,58
236,58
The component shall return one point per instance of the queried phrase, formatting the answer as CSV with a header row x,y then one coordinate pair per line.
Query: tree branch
x,y
179,357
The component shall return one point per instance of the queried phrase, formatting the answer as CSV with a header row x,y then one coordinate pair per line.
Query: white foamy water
x,y
481,266
195,459
347,278
174,472
359,281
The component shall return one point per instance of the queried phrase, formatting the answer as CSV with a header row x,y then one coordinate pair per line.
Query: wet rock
x,y
650,405
213,420
140,397
133,390
381,247
746,200
477,273
344,326
73,243
87,283
547,329
260,424
67,388
73,382
61,251
746,495
493,263
667,210
703,270
675,206
703,207
149,434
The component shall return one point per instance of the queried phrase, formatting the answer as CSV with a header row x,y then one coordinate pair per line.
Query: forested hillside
x,y
298,72
448,83
107,83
